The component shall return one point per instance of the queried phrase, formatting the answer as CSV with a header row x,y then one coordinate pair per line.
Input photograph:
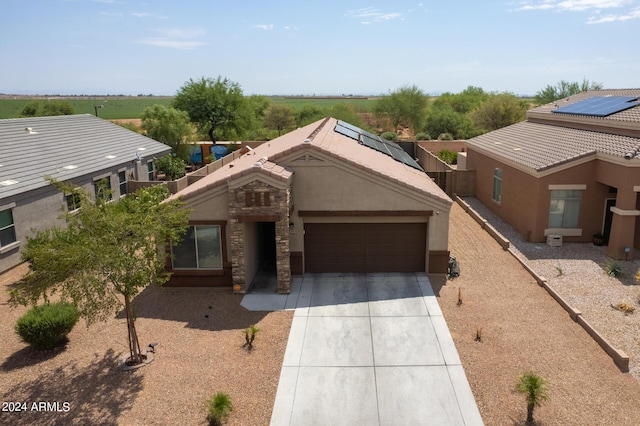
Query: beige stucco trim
x,y
565,232
568,187
622,212
636,188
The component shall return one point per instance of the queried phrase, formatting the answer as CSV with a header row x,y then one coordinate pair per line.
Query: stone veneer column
x,y
279,205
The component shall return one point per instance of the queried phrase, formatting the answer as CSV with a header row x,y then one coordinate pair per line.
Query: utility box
x,y
554,240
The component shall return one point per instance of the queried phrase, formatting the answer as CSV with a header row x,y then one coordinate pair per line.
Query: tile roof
x,y
630,115
542,146
65,147
548,140
320,136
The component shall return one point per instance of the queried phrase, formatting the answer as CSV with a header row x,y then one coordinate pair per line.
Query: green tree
x,y
50,108
403,107
278,117
564,89
308,114
464,102
535,390
169,126
217,105
105,256
344,112
444,119
31,109
172,167
499,111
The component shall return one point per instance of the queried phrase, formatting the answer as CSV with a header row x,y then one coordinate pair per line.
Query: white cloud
x,y
176,38
265,27
573,5
172,44
290,28
371,15
140,14
633,14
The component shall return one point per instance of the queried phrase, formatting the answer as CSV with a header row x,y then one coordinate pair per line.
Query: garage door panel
x,y
365,247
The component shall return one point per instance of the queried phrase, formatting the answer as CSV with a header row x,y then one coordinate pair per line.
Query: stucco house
x,y
84,150
327,197
571,170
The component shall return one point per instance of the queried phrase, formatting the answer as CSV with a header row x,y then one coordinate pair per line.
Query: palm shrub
x,y
535,389
219,409
46,326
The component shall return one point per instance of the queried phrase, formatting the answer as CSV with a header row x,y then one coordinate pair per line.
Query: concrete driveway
x,y
368,349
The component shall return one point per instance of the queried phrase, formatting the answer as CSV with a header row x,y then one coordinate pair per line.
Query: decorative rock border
x,y
620,358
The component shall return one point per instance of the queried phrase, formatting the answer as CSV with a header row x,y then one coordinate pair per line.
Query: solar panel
x,y
599,106
372,141
348,132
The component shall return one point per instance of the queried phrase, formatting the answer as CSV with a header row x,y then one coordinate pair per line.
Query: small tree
x,y
106,255
564,89
535,389
279,117
169,126
173,167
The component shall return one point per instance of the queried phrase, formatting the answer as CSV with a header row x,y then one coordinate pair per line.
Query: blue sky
x,y
331,47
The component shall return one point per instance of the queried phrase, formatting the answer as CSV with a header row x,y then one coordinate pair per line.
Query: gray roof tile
x,y
56,144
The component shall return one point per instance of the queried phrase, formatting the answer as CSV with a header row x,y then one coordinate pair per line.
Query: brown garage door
x,y
365,247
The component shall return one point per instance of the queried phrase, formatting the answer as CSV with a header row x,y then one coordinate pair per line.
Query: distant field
x,y
132,106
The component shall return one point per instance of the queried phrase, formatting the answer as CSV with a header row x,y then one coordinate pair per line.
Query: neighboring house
x,y
84,150
571,170
327,197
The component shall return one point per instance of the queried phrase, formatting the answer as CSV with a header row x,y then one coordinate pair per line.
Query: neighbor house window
x,y
150,169
497,185
201,248
565,208
7,228
102,188
73,202
122,179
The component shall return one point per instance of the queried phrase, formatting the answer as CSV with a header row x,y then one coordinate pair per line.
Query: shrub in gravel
x,y
46,326
219,409
422,136
249,335
614,269
390,136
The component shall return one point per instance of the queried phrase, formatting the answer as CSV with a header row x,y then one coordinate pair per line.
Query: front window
x,y
565,208
122,179
102,188
497,185
7,228
201,248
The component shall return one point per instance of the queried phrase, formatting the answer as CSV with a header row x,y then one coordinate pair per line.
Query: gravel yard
x,y
523,328
196,357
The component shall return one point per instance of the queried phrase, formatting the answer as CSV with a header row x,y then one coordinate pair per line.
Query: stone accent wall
x,y
260,202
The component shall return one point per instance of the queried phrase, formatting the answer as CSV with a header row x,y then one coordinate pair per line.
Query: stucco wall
x,y
40,209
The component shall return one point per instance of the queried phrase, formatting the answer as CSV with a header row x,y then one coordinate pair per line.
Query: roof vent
x,y
30,131
307,140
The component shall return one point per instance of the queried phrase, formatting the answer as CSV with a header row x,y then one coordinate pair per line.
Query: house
x,y
327,197
84,150
571,170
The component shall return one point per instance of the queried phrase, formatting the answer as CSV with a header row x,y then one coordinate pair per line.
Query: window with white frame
x,y
122,179
565,208
7,228
102,188
497,185
201,248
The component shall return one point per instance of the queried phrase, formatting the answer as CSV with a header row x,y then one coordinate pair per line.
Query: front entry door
x,y
608,218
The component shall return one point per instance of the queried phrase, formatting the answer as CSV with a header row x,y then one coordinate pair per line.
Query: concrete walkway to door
x,y
368,349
